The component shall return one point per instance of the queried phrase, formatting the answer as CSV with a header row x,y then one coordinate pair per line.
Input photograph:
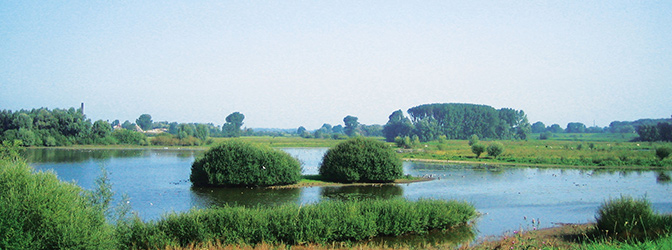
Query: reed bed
x,y
323,222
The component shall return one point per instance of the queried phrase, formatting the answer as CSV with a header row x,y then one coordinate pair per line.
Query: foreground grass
x,y
324,222
569,237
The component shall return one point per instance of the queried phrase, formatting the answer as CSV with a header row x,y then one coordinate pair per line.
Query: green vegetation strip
x,y
323,222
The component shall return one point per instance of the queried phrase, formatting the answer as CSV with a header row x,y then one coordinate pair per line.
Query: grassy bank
x,y
324,222
549,152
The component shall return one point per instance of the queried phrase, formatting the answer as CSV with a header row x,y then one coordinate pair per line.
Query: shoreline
x,y
531,165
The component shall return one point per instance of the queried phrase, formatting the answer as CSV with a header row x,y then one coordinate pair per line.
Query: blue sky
x,y
286,64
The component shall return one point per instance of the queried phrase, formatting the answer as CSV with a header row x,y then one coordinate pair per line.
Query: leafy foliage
x,y
397,126
663,152
144,121
37,211
361,160
238,163
234,122
659,132
459,121
478,149
495,149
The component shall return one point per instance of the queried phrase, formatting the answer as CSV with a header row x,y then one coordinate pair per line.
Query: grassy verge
x,y
324,222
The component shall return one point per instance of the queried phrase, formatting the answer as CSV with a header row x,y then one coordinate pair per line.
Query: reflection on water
x,y
157,183
249,197
439,239
57,155
362,192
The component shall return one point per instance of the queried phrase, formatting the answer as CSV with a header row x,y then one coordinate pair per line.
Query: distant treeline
x,y
64,127
457,121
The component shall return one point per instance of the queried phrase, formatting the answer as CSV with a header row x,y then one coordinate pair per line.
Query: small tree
x,y
478,149
495,149
473,140
663,152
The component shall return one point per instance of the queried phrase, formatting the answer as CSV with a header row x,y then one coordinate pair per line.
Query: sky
x,y
285,64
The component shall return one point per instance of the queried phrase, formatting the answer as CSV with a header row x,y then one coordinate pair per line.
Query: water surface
x,y
509,198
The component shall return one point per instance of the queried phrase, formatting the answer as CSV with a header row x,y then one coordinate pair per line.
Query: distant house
x,y
156,131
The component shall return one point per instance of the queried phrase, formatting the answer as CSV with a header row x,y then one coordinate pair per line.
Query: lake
x,y
157,182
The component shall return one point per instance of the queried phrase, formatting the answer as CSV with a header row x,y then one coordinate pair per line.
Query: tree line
x,y
64,127
457,121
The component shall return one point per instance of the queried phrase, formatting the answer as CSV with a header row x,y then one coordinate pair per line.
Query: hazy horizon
x,y
300,63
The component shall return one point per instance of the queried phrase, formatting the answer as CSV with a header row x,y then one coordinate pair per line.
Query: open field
x,y
580,153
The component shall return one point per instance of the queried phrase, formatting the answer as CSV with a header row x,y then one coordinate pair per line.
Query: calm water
x,y
157,183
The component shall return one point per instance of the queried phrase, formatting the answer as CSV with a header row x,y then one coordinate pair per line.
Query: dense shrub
x,y
495,149
361,160
663,152
37,211
631,219
238,163
125,136
323,222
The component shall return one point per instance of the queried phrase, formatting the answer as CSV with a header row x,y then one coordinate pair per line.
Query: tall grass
x,y
323,222
632,219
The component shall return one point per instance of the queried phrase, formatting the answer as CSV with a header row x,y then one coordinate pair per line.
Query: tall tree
x,y
538,127
234,122
202,131
555,128
575,127
397,125
101,129
144,121
351,125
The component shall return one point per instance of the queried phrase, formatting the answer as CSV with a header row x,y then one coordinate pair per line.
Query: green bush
x,y
238,163
495,149
663,152
361,160
37,211
627,218
323,222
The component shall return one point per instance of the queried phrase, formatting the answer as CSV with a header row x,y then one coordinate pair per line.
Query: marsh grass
x,y
629,219
323,222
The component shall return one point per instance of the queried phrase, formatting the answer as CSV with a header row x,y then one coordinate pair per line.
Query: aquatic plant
x,y
239,163
361,160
